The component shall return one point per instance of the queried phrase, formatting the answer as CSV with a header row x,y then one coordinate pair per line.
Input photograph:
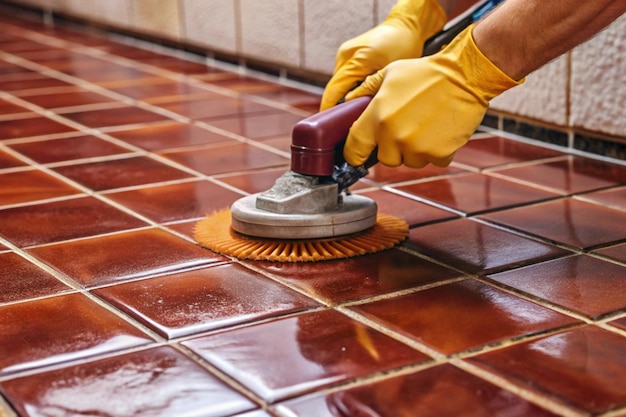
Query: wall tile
x,y
211,23
598,87
114,12
328,24
270,31
543,96
157,17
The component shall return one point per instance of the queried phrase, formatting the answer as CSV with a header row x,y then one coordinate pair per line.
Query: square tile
x,y
584,368
579,283
228,158
620,323
613,197
154,89
204,299
438,391
217,107
168,203
255,181
572,175
316,350
478,248
10,108
475,193
384,175
9,161
16,86
21,280
257,126
156,382
119,116
462,316
54,330
32,185
53,222
31,127
576,223
361,277
67,149
72,96
617,252
157,137
119,173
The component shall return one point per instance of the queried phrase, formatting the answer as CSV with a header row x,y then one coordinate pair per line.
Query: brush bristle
x,y
214,233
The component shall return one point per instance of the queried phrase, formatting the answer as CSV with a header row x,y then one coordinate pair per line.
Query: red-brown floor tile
x,y
315,350
258,126
66,149
242,83
614,197
21,280
439,391
475,193
10,108
204,299
356,278
74,96
23,45
576,223
31,84
58,329
477,248
109,73
166,136
293,97
124,256
156,382
254,182
185,228
53,222
579,283
573,175
617,252
216,106
462,316
32,126
9,161
282,143
413,212
495,151
388,175
621,323
120,173
228,158
31,185
114,117
169,203
585,368
9,69
158,88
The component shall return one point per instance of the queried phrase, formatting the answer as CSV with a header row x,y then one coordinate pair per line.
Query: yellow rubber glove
x,y
402,35
425,109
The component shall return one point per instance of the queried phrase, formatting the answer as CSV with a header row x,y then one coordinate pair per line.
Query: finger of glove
x,y
361,140
369,87
344,80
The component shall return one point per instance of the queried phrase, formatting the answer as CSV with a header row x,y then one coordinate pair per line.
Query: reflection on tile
x,y
114,117
477,248
118,173
155,89
258,126
73,96
573,175
58,150
156,382
439,391
385,175
30,84
204,299
21,280
254,182
124,256
228,158
32,185
614,197
617,252
357,278
579,283
53,222
316,350
496,151
31,127
169,203
158,137
462,316
59,329
583,367
215,107
476,193
576,223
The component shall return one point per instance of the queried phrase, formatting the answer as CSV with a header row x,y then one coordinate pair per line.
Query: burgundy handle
x,y
314,140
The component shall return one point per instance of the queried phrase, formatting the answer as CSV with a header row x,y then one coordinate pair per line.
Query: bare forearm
x,y
523,35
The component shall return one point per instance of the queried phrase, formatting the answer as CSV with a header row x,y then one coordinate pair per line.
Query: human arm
x,y
425,109
402,35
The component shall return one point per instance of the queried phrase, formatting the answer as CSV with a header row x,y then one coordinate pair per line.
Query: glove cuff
x,y
424,18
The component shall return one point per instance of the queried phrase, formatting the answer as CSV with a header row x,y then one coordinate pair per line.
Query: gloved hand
x,y
402,35
425,109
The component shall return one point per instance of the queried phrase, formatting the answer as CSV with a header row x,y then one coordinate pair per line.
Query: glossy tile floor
x,y
507,299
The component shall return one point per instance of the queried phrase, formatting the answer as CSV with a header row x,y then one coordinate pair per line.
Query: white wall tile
x,y
330,23
598,89
270,31
543,96
157,17
210,23
114,12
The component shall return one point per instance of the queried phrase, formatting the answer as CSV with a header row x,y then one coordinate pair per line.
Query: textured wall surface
x,y
584,89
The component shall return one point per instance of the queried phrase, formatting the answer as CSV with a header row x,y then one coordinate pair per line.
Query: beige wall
x,y
303,35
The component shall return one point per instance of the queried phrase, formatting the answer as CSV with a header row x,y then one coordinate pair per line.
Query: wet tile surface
x,y
506,298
